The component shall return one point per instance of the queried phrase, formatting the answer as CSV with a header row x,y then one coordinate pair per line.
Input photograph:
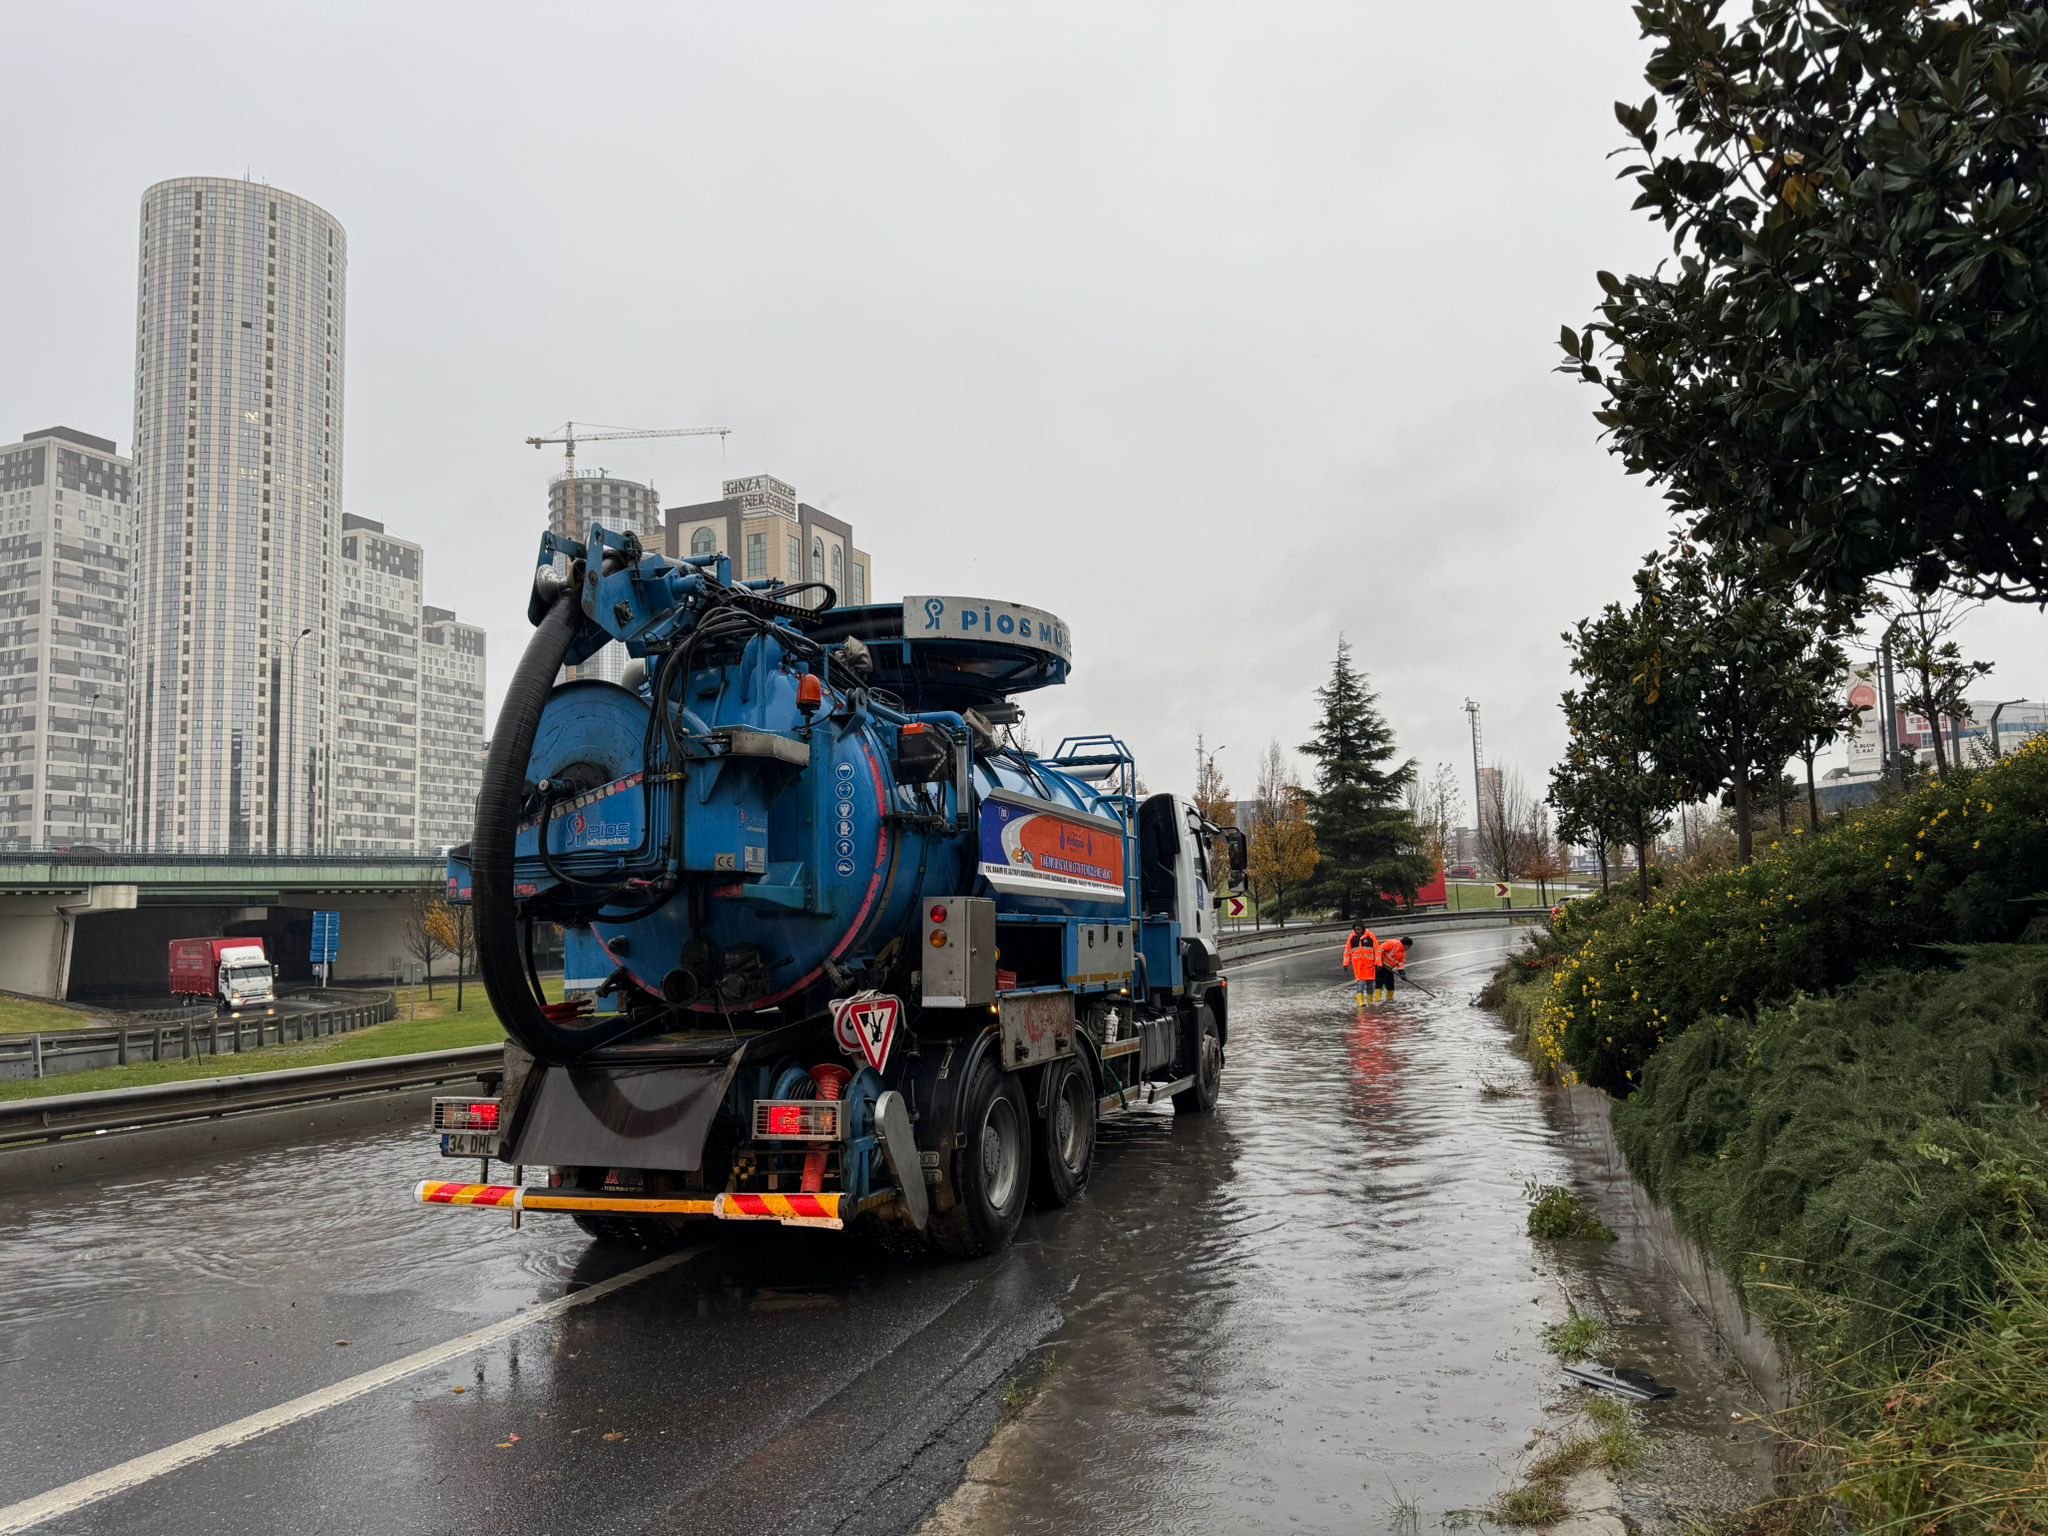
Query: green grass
x,y
1615,1445
1575,1338
25,1016
1532,1504
1477,895
422,1025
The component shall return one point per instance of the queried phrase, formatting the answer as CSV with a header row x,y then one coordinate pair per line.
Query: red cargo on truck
x,y
229,971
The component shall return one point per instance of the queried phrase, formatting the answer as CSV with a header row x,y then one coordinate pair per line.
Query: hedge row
x,y
1962,861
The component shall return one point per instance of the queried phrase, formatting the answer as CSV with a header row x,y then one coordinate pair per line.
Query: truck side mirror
x,y
1233,839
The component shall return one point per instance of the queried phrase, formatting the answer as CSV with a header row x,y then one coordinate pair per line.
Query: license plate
x,y
469,1144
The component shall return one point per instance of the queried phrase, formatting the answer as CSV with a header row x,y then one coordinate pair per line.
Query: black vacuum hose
x,y
500,955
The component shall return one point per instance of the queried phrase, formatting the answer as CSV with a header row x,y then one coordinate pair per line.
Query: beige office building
x,y
240,319
772,536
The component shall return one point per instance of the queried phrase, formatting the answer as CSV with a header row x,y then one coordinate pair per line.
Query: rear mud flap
x,y
653,1116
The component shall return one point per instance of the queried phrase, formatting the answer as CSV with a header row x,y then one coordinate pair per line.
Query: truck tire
x,y
1200,1097
991,1168
1065,1149
609,1231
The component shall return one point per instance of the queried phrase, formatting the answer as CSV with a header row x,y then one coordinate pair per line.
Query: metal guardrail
x,y
120,1109
173,1034
1404,920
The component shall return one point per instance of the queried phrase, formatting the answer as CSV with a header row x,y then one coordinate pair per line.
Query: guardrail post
x,y
213,1037
187,1040
156,1042
35,1054
121,1047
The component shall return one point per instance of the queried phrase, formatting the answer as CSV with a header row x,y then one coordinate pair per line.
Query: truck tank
x,y
757,819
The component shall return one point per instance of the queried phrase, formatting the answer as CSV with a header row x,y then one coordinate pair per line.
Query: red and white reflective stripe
x,y
793,1207
500,1196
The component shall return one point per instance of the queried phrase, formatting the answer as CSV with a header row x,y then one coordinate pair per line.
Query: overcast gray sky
x,y
1217,330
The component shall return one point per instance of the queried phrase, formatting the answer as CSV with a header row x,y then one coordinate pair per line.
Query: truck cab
x,y
245,978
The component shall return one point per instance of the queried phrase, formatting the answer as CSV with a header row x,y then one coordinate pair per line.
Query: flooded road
x,y
1317,1311
1312,1311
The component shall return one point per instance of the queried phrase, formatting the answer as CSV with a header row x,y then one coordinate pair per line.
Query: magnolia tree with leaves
x,y
1366,838
1817,708
1283,853
1723,675
1844,373
1611,788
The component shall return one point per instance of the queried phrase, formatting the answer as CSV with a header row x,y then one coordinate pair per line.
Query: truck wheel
x,y
609,1231
1066,1139
1200,1097
991,1171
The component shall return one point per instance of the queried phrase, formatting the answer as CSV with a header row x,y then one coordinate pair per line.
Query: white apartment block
x,y
240,320
619,506
373,772
65,540
451,750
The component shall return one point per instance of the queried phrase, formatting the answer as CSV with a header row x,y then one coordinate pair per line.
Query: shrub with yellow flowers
x,y
1962,860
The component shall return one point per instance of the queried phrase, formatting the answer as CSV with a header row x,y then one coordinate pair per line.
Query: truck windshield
x,y
248,975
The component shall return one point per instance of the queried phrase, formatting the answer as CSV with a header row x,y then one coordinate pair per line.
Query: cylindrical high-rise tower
x,y
238,433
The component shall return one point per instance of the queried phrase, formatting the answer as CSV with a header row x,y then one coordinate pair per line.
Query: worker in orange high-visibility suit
x,y
1393,959
1362,957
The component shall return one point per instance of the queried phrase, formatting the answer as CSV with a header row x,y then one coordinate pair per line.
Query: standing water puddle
x,y
1316,1310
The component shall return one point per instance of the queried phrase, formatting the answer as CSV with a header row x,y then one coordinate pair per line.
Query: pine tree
x,y
1368,840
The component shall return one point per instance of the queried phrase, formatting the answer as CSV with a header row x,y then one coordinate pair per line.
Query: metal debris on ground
x,y
1624,1381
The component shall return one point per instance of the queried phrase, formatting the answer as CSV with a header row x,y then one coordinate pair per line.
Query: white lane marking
x,y
143,1469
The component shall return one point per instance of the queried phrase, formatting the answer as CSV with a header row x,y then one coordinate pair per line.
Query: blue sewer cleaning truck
x,y
836,949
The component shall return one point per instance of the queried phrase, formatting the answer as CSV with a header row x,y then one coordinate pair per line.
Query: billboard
x,y
1866,737
1031,848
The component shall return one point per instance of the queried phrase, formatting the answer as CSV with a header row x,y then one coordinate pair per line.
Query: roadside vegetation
x,y
28,1016
1832,1067
1962,861
1558,1215
422,1025
1610,1440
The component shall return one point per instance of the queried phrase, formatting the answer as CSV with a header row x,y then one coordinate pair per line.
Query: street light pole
x,y
1995,752
291,799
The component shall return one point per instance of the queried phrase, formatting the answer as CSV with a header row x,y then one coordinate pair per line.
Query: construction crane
x,y
568,438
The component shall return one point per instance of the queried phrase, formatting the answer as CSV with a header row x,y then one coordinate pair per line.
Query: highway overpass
x,y
97,924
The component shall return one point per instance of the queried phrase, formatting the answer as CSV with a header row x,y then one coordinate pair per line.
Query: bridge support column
x,y
36,935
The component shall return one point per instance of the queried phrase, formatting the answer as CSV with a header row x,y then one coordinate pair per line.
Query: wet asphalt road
x,y
1286,1315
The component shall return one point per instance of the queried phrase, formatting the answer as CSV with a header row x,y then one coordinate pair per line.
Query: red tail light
x,y
796,1120
465,1114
